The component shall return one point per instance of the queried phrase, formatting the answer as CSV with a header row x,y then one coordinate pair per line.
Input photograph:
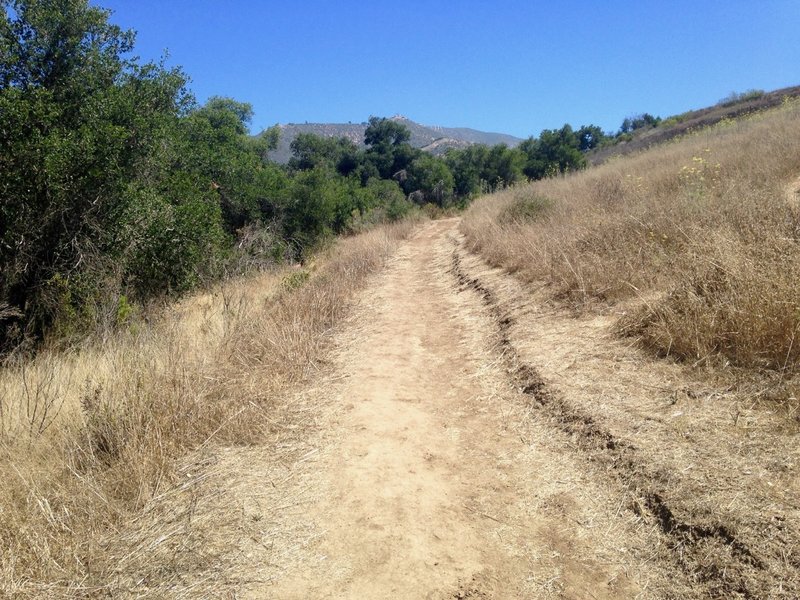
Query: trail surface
x,y
433,483
467,439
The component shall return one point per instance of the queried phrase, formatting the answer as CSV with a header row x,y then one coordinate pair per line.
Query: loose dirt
x,y
433,482
468,441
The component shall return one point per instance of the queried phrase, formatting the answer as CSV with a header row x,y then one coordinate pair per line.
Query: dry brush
x,y
89,437
696,242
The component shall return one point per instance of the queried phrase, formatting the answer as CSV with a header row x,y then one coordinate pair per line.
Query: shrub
x,y
739,97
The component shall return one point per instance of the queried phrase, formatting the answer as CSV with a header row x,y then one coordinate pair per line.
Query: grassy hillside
x,y
695,243
431,138
738,105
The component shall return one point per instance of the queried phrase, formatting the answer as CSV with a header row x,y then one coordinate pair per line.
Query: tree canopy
x,y
116,186
82,133
385,132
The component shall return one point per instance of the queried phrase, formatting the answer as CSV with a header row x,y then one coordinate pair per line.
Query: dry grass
x,y
694,120
696,240
662,437
88,438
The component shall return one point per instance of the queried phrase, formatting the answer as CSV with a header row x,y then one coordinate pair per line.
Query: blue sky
x,y
508,66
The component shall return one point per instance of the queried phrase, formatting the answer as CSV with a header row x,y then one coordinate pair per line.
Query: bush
x,y
170,247
739,97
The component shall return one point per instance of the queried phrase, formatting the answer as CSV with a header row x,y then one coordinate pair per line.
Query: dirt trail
x,y
433,484
467,440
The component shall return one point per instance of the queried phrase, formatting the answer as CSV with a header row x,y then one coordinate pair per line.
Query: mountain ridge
x,y
435,139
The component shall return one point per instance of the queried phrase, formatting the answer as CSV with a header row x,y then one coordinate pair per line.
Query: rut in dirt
x,y
691,542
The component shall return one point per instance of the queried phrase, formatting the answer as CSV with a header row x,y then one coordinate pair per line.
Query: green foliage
x,y
385,191
431,179
296,279
310,151
53,45
398,210
739,97
320,203
69,310
479,169
172,245
389,195
125,310
646,120
216,149
555,151
389,152
81,122
111,179
504,166
671,121
467,166
385,132
589,137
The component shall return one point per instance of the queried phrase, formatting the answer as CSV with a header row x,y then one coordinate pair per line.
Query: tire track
x,y
691,543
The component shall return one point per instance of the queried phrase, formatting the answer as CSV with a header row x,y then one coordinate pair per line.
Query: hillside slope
x,y
430,138
693,120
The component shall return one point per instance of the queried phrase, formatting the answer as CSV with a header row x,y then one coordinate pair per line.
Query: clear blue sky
x,y
508,66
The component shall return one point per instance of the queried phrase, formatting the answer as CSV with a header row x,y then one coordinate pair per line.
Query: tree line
x,y
116,186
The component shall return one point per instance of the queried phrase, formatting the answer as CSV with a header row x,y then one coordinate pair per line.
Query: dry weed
x,y
699,236
87,438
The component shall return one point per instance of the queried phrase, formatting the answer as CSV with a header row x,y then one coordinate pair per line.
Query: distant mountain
x,y
433,139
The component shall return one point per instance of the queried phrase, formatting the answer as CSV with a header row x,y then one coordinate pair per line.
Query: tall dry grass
x,y
88,437
701,236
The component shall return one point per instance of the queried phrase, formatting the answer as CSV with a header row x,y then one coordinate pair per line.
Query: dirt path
x,y
433,483
468,440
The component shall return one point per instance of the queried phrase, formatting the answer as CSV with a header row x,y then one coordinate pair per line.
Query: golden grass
x,y
699,236
87,438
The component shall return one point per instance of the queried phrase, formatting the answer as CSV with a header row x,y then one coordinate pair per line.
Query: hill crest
x,y
435,139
